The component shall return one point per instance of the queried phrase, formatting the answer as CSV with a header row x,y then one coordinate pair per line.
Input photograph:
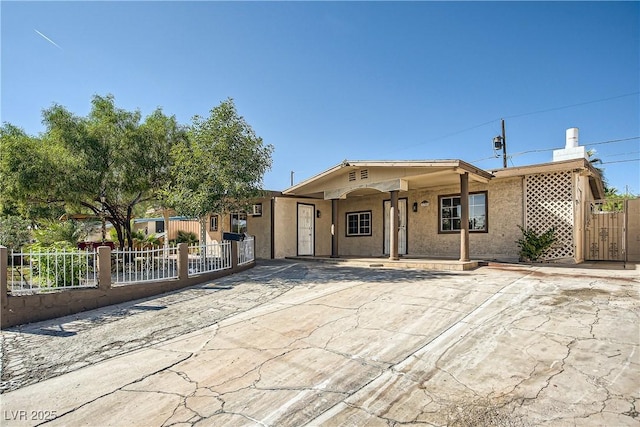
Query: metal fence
x,y
212,257
144,265
245,251
37,272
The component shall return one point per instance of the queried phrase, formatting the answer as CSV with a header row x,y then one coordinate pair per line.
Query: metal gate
x,y
605,230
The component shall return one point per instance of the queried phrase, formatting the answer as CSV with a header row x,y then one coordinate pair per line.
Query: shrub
x,y
533,244
58,264
186,237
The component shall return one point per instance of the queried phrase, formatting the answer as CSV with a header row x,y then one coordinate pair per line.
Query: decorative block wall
x,y
548,203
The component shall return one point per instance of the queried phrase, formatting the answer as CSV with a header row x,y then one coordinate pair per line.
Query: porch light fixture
x,y
318,213
415,206
424,203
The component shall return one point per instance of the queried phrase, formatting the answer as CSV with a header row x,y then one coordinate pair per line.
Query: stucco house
x,y
420,208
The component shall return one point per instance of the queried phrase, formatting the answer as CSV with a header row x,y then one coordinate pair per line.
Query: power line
x,y
515,116
542,150
572,105
621,161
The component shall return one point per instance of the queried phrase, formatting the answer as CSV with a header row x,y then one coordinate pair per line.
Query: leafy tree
x,y
218,167
14,232
106,163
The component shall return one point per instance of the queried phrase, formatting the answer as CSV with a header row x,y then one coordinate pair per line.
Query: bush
x,y
186,237
533,245
59,264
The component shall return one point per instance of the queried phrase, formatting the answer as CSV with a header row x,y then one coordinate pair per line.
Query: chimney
x,y
572,138
571,148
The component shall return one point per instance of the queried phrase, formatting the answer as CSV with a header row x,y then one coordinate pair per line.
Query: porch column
x,y
464,217
393,226
334,228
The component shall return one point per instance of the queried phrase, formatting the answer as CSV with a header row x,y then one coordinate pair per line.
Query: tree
x,y
14,232
218,167
106,163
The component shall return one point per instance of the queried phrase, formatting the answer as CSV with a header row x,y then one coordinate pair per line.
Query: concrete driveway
x,y
294,343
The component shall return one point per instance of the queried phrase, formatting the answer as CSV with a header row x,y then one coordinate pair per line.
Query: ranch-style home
x,y
446,209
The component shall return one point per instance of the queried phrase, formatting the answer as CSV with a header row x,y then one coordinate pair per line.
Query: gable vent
x,y
364,174
352,176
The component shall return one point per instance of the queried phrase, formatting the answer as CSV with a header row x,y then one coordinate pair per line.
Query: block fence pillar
x,y
183,261
4,288
104,267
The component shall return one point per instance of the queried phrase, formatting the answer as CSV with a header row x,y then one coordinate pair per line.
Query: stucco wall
x,y
260,227
286,222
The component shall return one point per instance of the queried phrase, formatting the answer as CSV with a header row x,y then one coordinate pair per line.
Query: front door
x,y
402,226
305,229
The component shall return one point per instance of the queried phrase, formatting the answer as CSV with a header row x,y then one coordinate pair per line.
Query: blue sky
x,y
328,81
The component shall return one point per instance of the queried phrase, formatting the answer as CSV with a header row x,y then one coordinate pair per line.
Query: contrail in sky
x,y
47,39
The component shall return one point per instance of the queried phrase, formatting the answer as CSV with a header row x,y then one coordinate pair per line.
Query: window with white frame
x,y
213,223
451,213
359,223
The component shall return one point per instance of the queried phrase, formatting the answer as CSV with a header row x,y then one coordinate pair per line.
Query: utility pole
x,y
504,146
499,142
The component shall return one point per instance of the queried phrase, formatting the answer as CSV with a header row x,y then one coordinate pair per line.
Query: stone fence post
x,y
4,289
104,267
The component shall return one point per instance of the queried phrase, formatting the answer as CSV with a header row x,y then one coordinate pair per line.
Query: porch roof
x,y
361,177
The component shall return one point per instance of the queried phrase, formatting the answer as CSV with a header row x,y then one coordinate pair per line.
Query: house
x,y
420,208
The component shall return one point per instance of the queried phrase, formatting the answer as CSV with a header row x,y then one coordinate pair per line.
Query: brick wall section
x,y
17,310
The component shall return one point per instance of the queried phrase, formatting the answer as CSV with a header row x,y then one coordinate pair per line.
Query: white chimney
x,y
571,149
572,138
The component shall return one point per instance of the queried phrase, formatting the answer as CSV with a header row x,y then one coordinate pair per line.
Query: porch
x,y
406,261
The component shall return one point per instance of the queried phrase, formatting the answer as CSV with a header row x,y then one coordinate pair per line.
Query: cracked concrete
x,y
294,343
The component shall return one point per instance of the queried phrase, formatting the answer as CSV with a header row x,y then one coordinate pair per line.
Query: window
x,y
450,213
359,224
239,222
160,226
213,223
257,209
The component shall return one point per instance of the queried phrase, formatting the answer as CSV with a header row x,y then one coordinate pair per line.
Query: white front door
x,y
402,226
305,229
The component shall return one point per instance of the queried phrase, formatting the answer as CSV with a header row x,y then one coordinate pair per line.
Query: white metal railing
x,y
39,271
144,265
212,257
245,251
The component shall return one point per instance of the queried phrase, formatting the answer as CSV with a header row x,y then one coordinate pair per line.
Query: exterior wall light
x,y
318,213
415,206
424,203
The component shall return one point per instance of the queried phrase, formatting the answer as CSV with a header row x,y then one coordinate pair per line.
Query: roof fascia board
x,y
382,186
